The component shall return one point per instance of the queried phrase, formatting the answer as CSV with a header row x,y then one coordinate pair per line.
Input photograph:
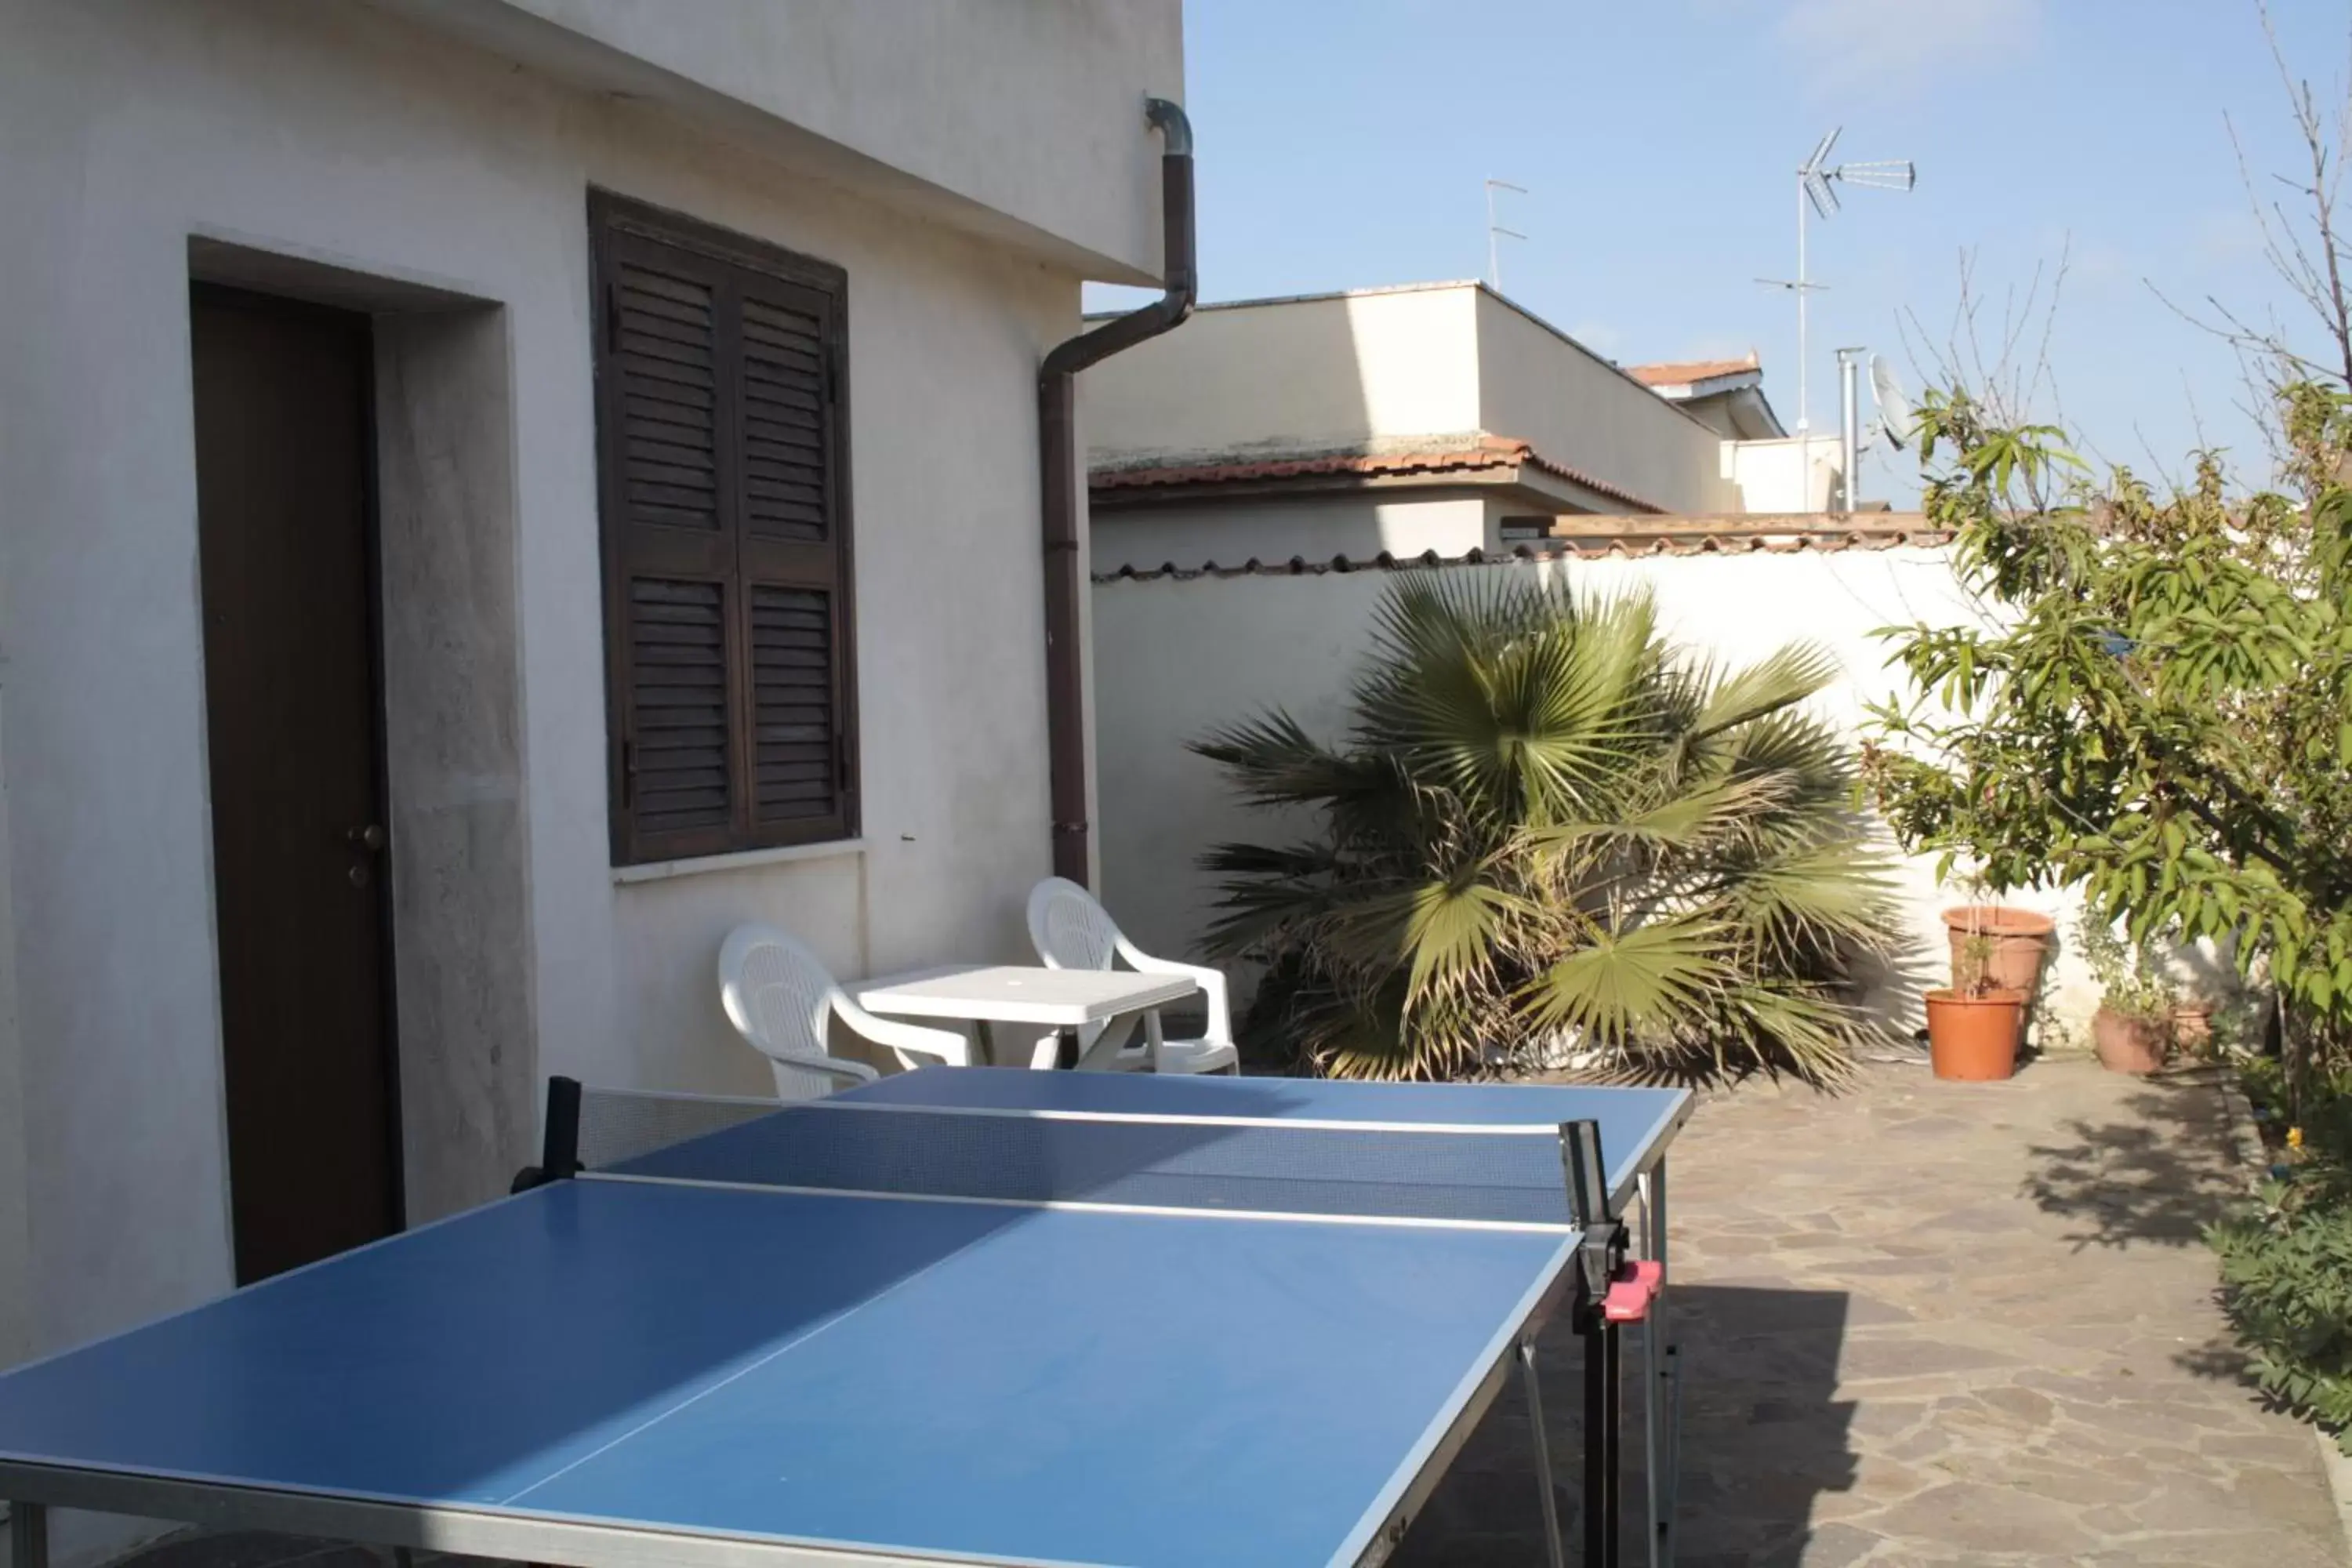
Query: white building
x,y
1773,471
1431,417
355,778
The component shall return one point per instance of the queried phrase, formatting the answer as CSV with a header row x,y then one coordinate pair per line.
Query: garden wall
x,y
1178,654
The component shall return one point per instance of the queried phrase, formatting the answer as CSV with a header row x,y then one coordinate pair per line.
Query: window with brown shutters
x,y
723,458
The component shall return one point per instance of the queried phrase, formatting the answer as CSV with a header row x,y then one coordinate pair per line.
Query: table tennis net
x,y
1511,1177
615,1126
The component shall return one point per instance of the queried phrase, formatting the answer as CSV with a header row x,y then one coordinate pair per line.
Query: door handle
x,y
370,838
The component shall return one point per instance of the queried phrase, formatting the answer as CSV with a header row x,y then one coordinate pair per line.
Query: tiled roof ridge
x,y
1823,542
1461,452
1448,442
1682,373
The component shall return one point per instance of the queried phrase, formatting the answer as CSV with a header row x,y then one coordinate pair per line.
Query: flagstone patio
x,y
1926,1322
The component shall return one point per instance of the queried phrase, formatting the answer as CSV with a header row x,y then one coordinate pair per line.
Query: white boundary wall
x,y
1178,657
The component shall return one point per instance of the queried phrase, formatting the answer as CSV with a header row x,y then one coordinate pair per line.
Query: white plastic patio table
x,y
1057,999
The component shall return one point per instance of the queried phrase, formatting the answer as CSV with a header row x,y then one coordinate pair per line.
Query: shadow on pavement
x,y
1763,1437
2158,1178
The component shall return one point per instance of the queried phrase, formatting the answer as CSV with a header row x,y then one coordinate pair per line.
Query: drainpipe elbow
x,y
1175,128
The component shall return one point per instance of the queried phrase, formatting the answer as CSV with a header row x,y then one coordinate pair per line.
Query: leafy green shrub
x,y
2286,1265
1550,827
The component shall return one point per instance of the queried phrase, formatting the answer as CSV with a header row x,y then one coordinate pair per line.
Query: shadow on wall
x,y
1763,1437
2158,1179
2208,971
1893,987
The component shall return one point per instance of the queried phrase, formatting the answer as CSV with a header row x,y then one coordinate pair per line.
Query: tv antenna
x,y
1817,183
1496,231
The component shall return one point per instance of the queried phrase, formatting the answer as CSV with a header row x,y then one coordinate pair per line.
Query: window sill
x,y
742,860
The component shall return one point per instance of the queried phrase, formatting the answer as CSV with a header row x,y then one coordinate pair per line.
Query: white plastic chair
x,y
1071,931
780,996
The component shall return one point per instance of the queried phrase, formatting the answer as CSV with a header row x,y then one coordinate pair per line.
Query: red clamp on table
x,y
1635,1284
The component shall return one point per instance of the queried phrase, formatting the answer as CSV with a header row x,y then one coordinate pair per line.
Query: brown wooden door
x,y
283,483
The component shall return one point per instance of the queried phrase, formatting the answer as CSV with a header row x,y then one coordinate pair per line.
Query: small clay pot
x,y
2192,1025
1974,1038
2127,1042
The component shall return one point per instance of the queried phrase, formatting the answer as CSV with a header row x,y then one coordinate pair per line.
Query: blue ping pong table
x,y
959,1315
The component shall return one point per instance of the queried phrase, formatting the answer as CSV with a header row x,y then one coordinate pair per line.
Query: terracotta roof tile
x,y
1484,453
1822,541
1683,373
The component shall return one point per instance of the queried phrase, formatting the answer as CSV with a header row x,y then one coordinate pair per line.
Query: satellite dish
x,y
1897,420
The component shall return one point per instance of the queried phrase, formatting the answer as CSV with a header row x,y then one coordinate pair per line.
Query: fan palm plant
x,y
1548,827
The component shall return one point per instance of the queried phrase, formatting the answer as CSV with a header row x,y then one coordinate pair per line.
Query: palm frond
x,y
1650,979
1806,747
1837,890
1681,821
1582,709
1265,892
1780,681
1815,1036
1273,761
1454,935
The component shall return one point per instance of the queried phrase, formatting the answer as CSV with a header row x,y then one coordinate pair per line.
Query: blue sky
x,y
1342,144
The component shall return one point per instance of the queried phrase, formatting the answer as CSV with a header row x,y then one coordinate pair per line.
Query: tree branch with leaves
x,y
2162,712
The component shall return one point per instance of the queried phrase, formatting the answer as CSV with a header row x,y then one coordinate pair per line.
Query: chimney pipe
x,y
1850,422
1064,488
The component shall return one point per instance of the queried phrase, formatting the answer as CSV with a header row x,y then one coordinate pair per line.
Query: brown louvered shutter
x,y
727,547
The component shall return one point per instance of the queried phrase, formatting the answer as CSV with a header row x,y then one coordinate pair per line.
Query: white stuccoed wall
x,y
1790,474
355,137
1007,117
15,1235
1175,660
1327,371
1539,385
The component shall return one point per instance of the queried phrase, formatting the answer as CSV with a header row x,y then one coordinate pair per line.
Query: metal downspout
x,y
1065,694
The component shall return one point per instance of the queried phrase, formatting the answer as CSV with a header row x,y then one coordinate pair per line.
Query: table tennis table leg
x,y
1659,1409
1602,1417
28,1535
1553,1541
1661,1403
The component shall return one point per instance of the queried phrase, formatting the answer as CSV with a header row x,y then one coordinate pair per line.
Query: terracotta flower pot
x,y
2129,1043
2192,1023
1974,1037
2019,938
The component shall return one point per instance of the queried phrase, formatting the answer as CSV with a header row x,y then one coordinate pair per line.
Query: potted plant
x,y
2016,940
1973,1029
2132,1030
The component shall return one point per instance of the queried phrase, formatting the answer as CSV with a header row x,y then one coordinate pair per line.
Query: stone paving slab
x,y
1929,1323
